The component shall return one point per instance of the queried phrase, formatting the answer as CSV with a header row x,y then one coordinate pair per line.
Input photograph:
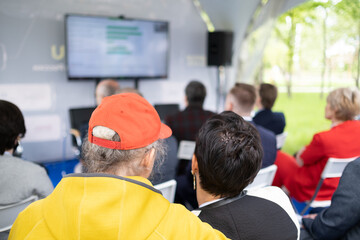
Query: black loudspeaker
x,y
219,51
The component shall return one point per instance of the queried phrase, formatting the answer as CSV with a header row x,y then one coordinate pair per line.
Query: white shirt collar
x,y
247,118
210,202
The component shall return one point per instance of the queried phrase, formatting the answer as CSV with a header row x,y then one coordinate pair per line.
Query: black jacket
x,y
263,214
273,121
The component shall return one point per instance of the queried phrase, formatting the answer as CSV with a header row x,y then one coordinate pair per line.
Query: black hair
x,y
229,154
195,92
11,125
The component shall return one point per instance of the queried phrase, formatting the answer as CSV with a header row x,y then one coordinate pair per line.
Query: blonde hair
x,y
345,102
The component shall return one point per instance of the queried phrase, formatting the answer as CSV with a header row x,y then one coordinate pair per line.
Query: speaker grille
x,y
219,48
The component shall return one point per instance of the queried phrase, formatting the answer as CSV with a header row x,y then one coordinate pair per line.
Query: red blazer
x,y
341,141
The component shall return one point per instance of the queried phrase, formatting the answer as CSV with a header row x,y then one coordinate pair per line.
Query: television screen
x,y
106,47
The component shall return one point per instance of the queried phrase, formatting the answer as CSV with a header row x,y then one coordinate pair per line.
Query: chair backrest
x,y
333,168
280,140
264,178
186,149
8,213
167,189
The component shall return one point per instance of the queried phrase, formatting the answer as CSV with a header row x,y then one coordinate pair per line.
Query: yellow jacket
x,y
100,206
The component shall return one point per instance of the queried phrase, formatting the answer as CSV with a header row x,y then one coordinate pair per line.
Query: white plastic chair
x,y
280,140
264,178
8,213
186,150
167,189
333,168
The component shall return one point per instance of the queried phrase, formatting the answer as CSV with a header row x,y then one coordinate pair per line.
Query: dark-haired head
x,y
11,125
195,93
229,154
268,95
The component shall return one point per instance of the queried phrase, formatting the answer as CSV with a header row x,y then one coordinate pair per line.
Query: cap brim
x,y
165,131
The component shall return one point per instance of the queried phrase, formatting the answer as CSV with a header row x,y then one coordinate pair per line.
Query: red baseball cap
x,y
133,118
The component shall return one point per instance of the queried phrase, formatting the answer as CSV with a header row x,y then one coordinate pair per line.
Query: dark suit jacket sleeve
x,y
344,212
268,142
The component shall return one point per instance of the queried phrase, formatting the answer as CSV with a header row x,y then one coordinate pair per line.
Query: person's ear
x,y
258,103
148,161
186,101
229,106
194,164
17,140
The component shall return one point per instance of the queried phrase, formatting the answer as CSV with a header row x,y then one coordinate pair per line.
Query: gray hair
x,y
99,159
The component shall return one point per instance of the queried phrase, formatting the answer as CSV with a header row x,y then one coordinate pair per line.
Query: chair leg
x,y
313,197
298,206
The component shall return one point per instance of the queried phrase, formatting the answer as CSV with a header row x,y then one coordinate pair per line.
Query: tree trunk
x,y
324,56
291,43
259,77
330,74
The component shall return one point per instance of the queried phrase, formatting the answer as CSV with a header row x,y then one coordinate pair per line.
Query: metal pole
x,y
220,88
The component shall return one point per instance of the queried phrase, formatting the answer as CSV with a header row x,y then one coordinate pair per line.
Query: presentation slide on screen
x,y
105,47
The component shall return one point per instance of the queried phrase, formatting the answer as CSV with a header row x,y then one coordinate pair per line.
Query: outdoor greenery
x,y
320,39
313,49
304,114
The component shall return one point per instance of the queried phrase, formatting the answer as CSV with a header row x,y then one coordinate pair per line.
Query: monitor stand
x,y
137,83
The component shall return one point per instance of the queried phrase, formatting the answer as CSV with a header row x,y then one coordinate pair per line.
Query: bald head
x,y
130,90
106,88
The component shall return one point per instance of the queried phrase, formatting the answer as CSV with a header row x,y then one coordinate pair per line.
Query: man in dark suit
x,y
273,121
241,100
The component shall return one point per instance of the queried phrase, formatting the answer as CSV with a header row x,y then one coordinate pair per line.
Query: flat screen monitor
x,y
80,117
106,47
165,110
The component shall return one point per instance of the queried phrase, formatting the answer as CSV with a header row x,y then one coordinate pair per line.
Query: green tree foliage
x,y
286,32
349,12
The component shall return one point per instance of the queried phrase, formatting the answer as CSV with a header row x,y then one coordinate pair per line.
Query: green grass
x,y
304,114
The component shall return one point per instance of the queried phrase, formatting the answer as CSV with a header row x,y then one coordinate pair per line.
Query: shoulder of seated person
x,y
264,130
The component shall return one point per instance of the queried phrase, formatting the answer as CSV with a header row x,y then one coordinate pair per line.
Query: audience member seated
x,y
114,200
273,121
300,175
241,100
227,158
19,179
185,126
342,219
105,88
